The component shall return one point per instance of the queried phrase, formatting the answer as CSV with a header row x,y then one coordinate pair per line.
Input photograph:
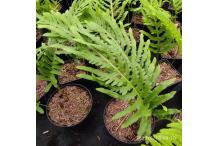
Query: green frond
x,y
162,32
48,65
39,109
176,7
162,114
126,111
115,8
171,136
161,99
145,126
47,6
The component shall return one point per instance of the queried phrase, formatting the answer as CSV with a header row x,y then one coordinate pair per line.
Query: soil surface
x,y
172,54
168,72
128,134
69,71
136,34
40,88
137,19
69,106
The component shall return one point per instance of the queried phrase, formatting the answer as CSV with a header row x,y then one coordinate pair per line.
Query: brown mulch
x,y
69,106
136,34
128,134
168,72
40,88
173,53
69,71
137,19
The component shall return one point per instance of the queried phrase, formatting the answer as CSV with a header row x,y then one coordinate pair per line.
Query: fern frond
x,y
162,32
115,8
176,6
47,6
39,109
48,65
168,136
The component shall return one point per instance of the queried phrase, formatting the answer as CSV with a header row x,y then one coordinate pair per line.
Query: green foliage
x,y
162,32
176,7
48,65
78,6
39,109
124,69
47,6
116,8
171,136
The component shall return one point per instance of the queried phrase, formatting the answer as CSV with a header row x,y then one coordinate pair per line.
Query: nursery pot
x,y
176,63
173,71
171,58
41,94
73,105
112,132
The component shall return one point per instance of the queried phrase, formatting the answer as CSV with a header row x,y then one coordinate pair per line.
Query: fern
x,y
48,65
47,6
171,136
176,7
78,6
163,33
116,8
39,109
125,70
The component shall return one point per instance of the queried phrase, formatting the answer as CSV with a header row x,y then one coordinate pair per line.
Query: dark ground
x,y
91,132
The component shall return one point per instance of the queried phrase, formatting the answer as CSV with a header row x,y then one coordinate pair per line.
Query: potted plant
x,y
128,73
124,69
160,26
114,127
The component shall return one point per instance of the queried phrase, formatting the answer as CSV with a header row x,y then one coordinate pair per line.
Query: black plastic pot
x,y
176,63
171,58
176,101
91,132
63,86
178,72
43,99
126,142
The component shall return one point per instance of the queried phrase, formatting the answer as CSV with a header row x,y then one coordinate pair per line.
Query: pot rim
x,y
166,61
56,91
